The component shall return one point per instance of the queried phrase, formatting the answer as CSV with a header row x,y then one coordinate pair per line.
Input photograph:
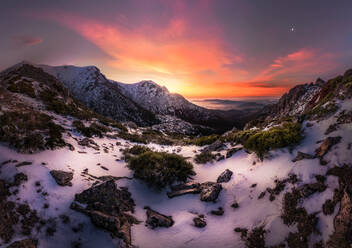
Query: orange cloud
x,y
167,52
192,63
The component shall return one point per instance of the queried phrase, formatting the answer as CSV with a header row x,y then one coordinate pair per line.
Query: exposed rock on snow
x,y
225,176
210,191
301,156
184,188
25,243
88,143
216,146
343,225
62,178
327,144
232,151
107,207
155,219
199,222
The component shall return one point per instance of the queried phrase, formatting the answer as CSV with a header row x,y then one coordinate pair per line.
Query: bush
x,y
159,169
23,88
132,137
135,150
29,132
93,130
239,136
204,157
262,142
204,140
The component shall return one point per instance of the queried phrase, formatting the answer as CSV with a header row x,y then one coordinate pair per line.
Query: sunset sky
x,y
200,49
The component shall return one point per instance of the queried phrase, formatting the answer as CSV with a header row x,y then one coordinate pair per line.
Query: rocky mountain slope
x,y
70,177
144,99
91,87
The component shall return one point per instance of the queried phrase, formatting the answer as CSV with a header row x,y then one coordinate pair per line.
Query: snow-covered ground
x,y
219,232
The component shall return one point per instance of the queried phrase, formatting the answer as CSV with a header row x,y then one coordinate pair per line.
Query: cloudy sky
x,y
205,48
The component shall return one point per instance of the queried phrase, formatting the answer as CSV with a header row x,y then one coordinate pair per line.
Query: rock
x,y
19,178
343,225
210,191
155,219
225,176
332,128
62,178
25,243
183,189
326,146
309,189
220,211
232,151
216,146
344,117
199,222
309,124
106,205
107,195
88,143
301,156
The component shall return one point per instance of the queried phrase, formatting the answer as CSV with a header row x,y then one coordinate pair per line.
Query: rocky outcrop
x,y
225,176
341,237
62,178
232,151
107,207
209,191
215,147
183,189
301,156
25,243
89,143
326,145
155,219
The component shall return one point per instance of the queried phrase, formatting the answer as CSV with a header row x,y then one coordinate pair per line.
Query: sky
x,y
198,48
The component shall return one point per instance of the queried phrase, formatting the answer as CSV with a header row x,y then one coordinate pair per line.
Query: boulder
x,y
89,143
343,225
62,178
301,156
183,189
25,243
155,219
220,211
326,146
199,222
216,146
210,191
225,176
232,151
106,205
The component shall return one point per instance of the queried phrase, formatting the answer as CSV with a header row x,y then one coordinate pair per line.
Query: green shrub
x,y
109,122
203,140
159,169
132,137
262,142
32,131
23,88
135,150
204,157
239,136
93,130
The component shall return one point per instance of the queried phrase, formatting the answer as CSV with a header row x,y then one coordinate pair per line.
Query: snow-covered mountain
x,y
90,86
138,102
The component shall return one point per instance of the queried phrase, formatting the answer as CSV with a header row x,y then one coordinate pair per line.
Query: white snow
x,y
219,231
